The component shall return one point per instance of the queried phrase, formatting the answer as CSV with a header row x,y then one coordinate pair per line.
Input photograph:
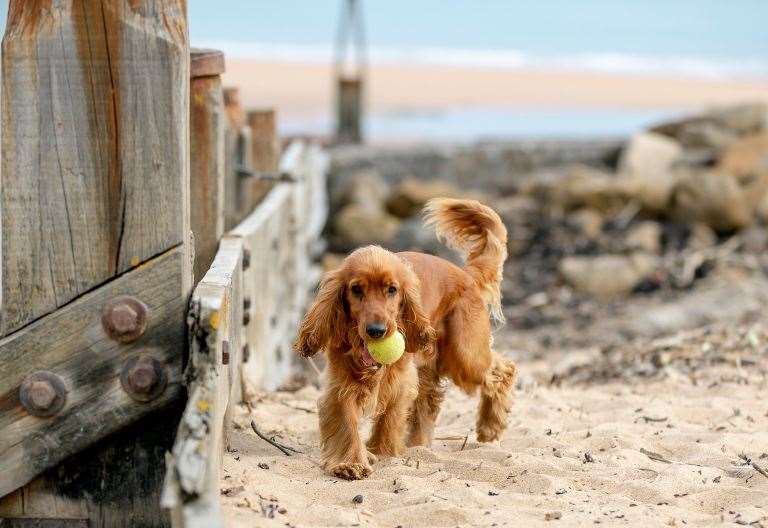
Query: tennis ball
x,y
388,349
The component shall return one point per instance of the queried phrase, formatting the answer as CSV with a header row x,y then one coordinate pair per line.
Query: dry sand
x,y
660,453
301,90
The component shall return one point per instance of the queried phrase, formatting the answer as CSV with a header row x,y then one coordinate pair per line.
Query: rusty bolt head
x,y
246,318
225,352
246,259
246,353
247,304
42,394
125,318
143,378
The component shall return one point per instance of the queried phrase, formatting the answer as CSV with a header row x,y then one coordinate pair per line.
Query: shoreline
x,y
304,90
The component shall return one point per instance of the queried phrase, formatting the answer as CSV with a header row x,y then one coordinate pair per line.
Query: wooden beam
x,y
215,319
72,344
95,146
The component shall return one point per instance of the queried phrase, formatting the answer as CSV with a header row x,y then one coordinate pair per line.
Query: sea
x,y
706,39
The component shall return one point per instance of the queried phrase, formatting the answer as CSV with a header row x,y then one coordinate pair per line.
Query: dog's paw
x,y
488,433
351,470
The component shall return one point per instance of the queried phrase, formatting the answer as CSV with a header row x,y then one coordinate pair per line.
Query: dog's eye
x,y
392,290
357,291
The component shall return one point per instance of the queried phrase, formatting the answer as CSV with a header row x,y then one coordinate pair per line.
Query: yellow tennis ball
x,y
388,349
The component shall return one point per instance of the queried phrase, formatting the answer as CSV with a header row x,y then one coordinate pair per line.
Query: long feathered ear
x,y
325,321
419,334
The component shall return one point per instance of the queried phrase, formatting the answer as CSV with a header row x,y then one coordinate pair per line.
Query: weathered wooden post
x,y
208,122
265,152
96,267
350,74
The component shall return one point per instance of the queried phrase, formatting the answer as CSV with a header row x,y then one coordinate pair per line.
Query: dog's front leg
x,y
344,454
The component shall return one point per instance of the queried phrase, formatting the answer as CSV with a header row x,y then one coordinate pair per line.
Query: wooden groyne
x,y
157,248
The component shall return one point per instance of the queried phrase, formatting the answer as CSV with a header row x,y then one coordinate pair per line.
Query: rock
x,y
331,261
365,187
714,198
588,187
413,236
645,236
588,221
746,158
702,237
648,161
717,128
410,196
356,225
607,276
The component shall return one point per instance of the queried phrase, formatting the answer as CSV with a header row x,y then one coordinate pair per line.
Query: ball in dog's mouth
x,y
368,360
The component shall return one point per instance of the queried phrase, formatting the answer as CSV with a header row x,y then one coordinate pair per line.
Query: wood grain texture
x,y
215,320
95,118
207,129
72,344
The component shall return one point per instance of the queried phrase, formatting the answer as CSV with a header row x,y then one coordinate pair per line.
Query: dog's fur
x,y
444,313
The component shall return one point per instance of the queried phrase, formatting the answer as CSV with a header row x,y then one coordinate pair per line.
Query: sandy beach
x,y
621,453
305,90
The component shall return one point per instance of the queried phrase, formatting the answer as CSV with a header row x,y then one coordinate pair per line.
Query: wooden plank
x,y
72,344
95,157
207,126
215,320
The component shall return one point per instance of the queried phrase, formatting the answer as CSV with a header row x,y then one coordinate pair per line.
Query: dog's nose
x,y
375,330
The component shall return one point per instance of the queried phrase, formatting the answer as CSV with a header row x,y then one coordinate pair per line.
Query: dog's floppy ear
x,y
325,321
419,334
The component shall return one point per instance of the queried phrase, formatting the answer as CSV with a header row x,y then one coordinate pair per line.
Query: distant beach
x,y
458,103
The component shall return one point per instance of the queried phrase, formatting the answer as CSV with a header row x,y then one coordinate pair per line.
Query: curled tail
x,y
478,233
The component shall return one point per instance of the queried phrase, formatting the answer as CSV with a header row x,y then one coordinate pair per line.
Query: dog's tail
x,y
478,233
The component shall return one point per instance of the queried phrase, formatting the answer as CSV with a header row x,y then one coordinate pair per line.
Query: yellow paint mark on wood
x,y
135,261
214,320
203,405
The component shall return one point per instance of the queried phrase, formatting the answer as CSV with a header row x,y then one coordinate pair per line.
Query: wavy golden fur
x,y
443,311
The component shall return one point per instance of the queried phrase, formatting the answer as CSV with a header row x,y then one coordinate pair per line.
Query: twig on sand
x,y
748,461
450,437
287,450
654,456
464,444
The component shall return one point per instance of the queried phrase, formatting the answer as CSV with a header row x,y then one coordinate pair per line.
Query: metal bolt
x,y
143,378
42,394
246,318
246,259
247,304
124,318
225,352
246,353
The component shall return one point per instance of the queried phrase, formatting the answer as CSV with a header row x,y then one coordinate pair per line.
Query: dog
x,y
443,311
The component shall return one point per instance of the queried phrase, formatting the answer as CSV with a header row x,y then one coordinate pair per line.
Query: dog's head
x,y
373,294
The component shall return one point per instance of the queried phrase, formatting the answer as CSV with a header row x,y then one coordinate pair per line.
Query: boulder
x,y
365,187
411,194
746,158
645,236
585,186
712,197
607,276
647,161
702,237
356,225
414,236
717,128
588,221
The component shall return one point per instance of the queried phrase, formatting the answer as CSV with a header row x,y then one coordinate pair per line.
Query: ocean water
x,y
691,38
707,39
